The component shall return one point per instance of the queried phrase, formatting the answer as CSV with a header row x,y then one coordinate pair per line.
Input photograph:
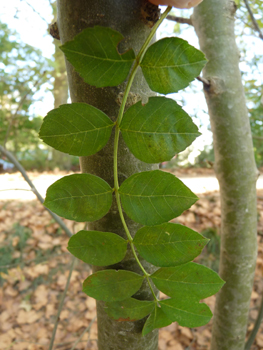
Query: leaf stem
x,y
151,35
117,135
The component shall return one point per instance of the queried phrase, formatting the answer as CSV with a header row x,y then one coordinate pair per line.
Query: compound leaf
x,y
97,248
78,129
112,285
155,132
188,280
157,319
168,244
129,310
94,55
170,64
154,197
79,197
186,312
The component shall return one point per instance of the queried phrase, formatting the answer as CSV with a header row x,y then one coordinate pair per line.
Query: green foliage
x,y
180,244
79,197
254,93
153,132
170,64
94,55
191,279
23,69
129,309
154,197
97,248
157,319
251,67
78,129
112,285
186,312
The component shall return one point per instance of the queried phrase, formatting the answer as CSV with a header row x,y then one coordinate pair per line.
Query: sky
x,y
30,18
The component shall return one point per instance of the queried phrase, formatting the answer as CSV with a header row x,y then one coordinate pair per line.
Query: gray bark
x,y
60,94
235,168
126,17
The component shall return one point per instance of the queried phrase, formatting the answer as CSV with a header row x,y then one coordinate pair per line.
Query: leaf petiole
x,y
117,135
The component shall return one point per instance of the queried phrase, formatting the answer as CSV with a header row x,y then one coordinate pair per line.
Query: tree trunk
x,y
126,17
60,94
235,168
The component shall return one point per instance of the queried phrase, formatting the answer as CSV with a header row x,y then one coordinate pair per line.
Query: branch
x,y
33,189
257,137
257,324
61,305
256,26
43,19
204,81
88,329
180,20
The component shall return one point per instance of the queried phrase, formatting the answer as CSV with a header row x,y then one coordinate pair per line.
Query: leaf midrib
x,y
121,60
79,132
88,195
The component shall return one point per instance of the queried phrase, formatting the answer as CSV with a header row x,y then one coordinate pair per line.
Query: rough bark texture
x,y
130,18
235,169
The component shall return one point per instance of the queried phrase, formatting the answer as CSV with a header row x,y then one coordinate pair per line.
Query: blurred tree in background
x,y
248,29
23,71
60,92
251,62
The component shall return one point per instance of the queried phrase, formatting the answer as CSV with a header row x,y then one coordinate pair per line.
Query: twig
x,y
257,137
182,20
256,26
61,306
203,80
38,195
43,19
82,334
16,189
253,334
23,98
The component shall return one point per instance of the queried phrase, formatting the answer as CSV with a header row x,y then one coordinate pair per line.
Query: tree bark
x,y
235,168
60,94
126,17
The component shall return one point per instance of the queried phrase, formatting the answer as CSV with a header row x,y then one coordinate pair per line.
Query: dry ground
x,y
34,259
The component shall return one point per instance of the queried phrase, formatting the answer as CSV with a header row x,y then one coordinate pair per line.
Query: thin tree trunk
x,y
235,168
124,16
60,93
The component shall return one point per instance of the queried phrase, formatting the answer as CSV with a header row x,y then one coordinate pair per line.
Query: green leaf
x,y
154,197
79,197
94,55
188,280
170,64
97,248
129,309
78,129
112,285
155,132
157,319
186,311
168,244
